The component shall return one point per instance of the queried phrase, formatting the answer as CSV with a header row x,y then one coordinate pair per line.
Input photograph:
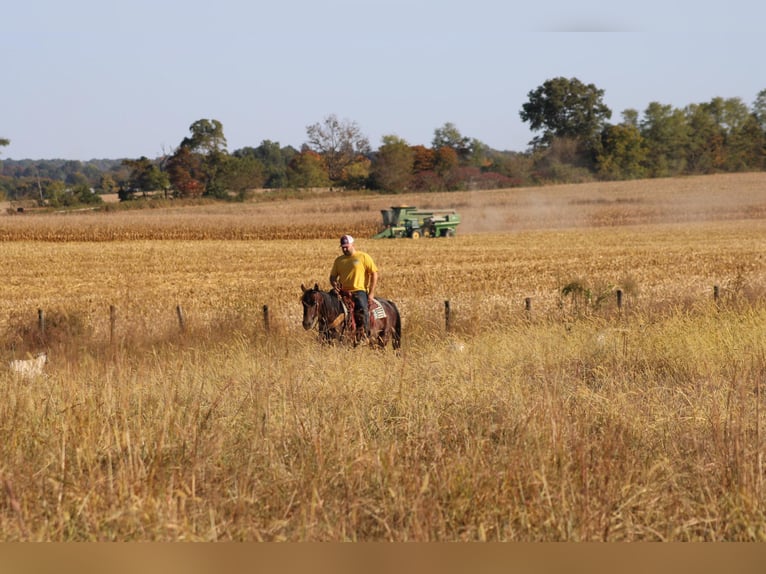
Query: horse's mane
x,y
330,298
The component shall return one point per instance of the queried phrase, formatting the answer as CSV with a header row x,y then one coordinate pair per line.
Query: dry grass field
x,y
546,411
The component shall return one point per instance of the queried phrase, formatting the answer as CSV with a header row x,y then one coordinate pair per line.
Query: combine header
x,y
408,221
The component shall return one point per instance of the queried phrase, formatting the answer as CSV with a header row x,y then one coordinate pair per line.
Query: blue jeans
x,y
361,304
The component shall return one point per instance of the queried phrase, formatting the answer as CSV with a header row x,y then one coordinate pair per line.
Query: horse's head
x,y
311,301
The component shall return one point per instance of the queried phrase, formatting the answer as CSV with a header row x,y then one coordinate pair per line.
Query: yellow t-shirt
x,y
353,270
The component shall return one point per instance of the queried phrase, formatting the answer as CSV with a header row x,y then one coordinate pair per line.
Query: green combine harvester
x,y
408,221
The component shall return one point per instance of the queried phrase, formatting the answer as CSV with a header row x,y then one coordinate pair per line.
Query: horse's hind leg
x,y
396,341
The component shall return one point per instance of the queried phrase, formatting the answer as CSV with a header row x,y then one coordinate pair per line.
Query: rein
x,y
324,310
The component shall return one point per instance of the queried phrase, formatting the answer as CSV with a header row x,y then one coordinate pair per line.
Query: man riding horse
x,y
356,273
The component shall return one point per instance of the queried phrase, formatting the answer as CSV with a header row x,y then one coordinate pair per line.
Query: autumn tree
x,y
446,164
446,160
186,173
339,143
423,158
195,166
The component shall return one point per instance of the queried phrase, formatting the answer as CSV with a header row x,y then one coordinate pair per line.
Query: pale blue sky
x,y
87,79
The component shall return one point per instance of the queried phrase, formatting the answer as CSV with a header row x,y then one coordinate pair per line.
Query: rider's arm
x,y
372,283
334,277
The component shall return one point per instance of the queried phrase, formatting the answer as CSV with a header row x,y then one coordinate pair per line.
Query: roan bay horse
x,y
332,313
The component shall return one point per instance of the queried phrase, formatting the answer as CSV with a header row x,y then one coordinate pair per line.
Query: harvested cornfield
x,y
600,374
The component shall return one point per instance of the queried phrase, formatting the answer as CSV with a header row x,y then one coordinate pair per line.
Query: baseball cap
x,y
346,240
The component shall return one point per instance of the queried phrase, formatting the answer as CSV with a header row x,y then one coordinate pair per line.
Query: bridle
x,y
315,300
315,303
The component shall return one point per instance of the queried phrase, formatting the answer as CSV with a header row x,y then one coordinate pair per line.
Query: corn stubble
x,y
546,412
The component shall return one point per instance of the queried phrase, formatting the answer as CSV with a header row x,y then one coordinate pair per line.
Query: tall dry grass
x,y
649,432
573,420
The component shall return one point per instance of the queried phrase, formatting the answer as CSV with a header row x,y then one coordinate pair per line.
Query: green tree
x,y
393,165
356,175
747,147
516,166
564,160
339,143
307,169
3,142
214,167
665,132
206,137
73,172
56,195
84,194
145,175
565,108
107,184
759,109
449,136
241,175
622,153
274,160
736,120
630,117
479,154
705,145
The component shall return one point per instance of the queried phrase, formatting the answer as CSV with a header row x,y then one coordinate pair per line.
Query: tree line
x,y
574,141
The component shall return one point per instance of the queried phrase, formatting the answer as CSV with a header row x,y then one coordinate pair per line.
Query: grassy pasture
x,y
574,420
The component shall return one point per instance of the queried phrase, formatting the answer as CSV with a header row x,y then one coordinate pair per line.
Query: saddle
x,y
376,310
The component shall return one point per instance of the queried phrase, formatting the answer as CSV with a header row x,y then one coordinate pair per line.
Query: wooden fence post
x,y
266,318
112,323
447,325
619,299
41,321
181,319
716,293
528,304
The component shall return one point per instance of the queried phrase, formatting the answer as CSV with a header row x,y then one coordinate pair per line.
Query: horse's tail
x,y
396,341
